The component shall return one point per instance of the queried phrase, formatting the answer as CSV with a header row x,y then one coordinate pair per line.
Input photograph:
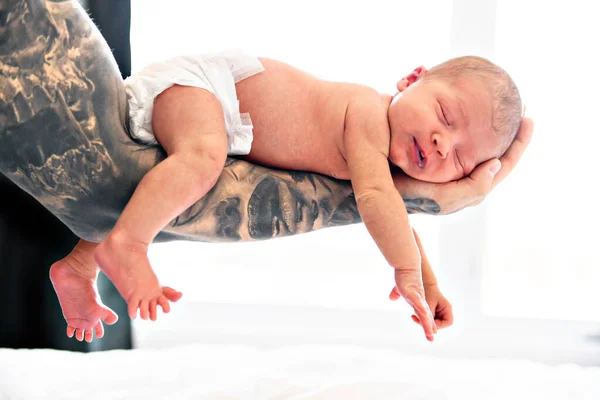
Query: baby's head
x,y
453,117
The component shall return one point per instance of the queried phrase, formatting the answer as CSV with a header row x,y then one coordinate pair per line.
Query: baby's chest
x,y
301,144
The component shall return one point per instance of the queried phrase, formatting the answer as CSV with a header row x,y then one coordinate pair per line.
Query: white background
x,y
521,270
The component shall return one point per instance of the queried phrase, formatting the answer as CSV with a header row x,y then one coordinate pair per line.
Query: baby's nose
x,y
441,146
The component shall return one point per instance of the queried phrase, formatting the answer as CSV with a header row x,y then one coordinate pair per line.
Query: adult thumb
x,y
483,176
493,166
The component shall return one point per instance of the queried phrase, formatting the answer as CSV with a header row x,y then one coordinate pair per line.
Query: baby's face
x,y
441,131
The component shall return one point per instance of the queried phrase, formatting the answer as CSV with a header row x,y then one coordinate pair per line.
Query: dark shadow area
x,y
31,239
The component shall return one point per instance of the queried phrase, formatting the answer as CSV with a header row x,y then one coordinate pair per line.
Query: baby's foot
x,y
74,280
126,264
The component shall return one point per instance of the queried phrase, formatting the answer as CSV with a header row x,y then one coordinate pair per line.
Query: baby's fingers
x,y
443,323
395,294
423,313
444,316
433,308
436,323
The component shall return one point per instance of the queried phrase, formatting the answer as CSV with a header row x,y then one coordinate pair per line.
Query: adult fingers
x,y
515,151
487,175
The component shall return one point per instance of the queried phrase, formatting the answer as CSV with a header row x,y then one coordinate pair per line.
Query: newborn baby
x,y
438,126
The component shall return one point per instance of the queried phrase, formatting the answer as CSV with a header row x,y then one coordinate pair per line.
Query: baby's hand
x,y
410,286
439,305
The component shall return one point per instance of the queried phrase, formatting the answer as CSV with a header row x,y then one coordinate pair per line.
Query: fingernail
x,y
495,167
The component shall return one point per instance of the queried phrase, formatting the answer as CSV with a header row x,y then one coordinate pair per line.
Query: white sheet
x,y
294,373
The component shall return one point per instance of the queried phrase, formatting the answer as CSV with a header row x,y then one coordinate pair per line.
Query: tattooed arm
x,y
64,140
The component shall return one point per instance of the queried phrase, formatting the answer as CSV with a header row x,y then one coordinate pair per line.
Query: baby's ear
x,y
411,78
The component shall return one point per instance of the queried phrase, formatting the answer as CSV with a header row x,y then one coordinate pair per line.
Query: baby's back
x,y
298,119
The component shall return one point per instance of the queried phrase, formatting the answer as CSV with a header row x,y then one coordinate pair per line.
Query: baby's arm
x,y
439,305
426,270
196,146
366,144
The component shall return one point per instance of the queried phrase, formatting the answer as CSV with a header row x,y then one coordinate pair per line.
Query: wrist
x,y
430,283
429,278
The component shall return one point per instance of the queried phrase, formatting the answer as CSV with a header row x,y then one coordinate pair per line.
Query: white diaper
x,y
218,73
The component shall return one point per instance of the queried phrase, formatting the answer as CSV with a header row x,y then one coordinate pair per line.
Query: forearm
x,y
250,202
418,196
389,229
426,270
71,151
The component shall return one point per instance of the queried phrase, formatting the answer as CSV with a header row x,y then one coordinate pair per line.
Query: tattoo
x,y
64,140
346,211
229,218
421,205
277,209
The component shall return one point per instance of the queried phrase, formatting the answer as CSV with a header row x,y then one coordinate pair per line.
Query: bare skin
x,y
93,312
469,191
439,305
313,120
74,279
346,131
68,147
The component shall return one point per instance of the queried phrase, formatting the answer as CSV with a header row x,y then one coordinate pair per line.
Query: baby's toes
x,y
164,304
70,331
109,317
153,310
171,294
132,307
99,330
144,305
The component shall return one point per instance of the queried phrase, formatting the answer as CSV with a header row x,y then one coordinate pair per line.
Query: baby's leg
x,y
74,280
188,122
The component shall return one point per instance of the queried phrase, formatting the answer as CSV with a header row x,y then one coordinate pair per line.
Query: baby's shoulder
x,y
366,116
365,103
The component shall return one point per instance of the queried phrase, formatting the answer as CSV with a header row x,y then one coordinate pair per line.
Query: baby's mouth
x,y
420,158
